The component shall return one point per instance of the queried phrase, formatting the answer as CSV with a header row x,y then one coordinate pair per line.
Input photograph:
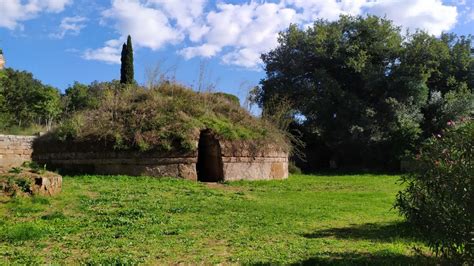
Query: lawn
x,y
303,220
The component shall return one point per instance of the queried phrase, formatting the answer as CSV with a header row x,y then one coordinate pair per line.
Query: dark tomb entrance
x,y
209,165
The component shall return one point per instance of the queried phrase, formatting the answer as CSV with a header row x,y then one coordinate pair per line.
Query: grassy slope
x,y
306,219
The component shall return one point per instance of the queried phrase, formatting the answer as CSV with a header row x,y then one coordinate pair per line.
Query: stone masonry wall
x,y
240,160
14,150
119,163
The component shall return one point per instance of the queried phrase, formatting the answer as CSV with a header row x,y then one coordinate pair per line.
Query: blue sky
x,y
62,41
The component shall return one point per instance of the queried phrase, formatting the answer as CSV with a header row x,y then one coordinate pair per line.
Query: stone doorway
x,y
209,166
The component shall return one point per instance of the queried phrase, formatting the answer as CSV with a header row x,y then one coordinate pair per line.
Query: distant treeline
x,y
26,104
25,101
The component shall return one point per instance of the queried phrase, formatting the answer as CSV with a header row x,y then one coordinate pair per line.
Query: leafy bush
x,y
438,199
166,117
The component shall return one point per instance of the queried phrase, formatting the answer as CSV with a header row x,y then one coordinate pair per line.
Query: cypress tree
x,y
126,70
123,79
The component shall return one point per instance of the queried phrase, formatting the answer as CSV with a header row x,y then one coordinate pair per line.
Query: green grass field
x,y
129,220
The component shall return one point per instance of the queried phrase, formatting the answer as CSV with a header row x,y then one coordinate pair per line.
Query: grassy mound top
x,y
166,117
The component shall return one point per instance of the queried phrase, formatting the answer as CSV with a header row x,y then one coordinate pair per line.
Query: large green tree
x,y
359,87
80,96
24,100
127,70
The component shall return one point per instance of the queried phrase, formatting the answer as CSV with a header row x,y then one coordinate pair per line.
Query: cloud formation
x,y
109,54
430,15
239,33
13,12
70,25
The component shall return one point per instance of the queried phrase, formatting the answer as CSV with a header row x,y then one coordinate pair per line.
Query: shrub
x,y
438,198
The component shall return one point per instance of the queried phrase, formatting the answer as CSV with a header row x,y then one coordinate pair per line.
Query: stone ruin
x,y
16,174
212,160
24,181
2,60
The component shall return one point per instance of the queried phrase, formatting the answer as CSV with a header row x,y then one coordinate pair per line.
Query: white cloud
x,y
12,12
326,9
109,54
205,50
152,24
183,12
53,5
246,57
466,12
247,29
470,16
239,33
430,15
70,25
150,27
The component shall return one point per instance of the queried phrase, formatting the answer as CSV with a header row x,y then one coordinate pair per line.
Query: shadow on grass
x,y
370,231
379,258
348,172
350,258
373,232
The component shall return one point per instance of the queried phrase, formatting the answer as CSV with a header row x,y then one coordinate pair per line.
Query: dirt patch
x,y
224,187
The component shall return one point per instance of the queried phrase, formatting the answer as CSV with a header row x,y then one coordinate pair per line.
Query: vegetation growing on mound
x,y
166,117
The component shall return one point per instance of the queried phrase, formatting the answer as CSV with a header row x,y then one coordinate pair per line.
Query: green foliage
x,y
438,199
14,184
15,170
126,69
166,117
24,184
79,97
452,106
362,88
311,220
25,101
34,167
226,128
24,131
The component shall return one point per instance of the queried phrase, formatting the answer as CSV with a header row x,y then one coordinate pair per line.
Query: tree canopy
x,y
24,100
363,92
